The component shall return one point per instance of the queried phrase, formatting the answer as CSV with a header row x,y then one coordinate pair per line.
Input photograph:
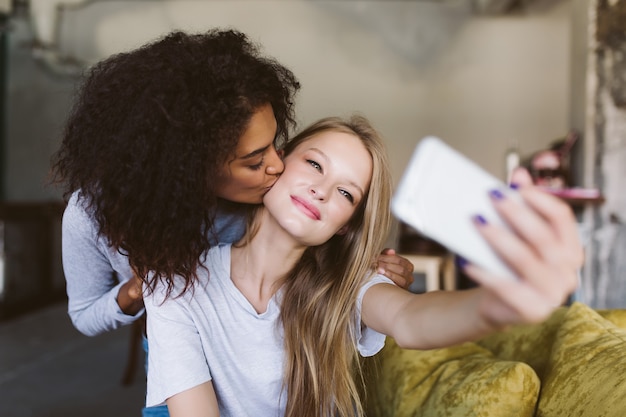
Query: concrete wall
x,y
604,285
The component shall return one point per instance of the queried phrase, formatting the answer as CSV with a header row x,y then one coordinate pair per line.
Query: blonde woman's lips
x,y
307,208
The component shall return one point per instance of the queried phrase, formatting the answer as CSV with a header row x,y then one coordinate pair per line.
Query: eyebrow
x,y
255,153
354,184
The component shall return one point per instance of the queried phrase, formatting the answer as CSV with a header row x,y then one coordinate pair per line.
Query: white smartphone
x,y
440,192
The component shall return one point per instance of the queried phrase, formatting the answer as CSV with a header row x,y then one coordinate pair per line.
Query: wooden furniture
x,y
436,268
31,273
429,258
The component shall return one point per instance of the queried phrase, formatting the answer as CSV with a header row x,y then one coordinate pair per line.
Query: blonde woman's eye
x,y
314,164
347,195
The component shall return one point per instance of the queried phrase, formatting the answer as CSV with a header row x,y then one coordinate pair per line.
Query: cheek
x,y
246,178
272,193
342,215
239,187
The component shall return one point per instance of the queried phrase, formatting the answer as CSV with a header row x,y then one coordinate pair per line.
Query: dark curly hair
x,y
147,135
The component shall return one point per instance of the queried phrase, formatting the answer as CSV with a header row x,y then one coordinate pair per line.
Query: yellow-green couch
x,y
572,365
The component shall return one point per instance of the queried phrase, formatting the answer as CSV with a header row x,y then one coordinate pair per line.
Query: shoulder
x,y
230,221
374,279
214,265
77,218
217,261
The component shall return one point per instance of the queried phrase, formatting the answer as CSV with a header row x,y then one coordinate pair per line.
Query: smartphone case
x,y
440,192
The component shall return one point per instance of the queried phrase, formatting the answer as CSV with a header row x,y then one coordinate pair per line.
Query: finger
x,y
554,281
388,251
534,229
401,280
528,305
398,263
400,273
545,222
396,268
521,177
560,217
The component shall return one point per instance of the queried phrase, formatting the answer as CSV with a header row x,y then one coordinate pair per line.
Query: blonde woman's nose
x,y
318,192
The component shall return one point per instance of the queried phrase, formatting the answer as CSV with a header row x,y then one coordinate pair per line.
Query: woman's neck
x,y
259,266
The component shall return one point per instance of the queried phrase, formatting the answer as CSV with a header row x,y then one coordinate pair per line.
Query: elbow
x,y
404,342
409,334
416,344
82,326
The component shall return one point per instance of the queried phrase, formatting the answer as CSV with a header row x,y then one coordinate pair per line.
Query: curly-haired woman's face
x,y
255,166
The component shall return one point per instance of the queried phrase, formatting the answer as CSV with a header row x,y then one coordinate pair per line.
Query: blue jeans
x,y
159,410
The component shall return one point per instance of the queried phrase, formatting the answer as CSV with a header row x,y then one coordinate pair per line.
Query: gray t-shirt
x,y
214,333
94,271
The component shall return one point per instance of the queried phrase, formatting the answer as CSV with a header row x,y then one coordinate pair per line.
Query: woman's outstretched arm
x,y
542,246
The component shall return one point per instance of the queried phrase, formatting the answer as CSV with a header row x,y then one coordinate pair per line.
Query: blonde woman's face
x,y
325,179
247,175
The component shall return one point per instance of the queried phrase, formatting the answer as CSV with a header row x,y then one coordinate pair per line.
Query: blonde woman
x,y
277,321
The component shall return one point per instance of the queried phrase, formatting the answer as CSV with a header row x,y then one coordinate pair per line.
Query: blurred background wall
x,y
481,74
479,81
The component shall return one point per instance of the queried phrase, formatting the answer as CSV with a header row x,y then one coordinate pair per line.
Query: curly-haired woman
x,y
166,148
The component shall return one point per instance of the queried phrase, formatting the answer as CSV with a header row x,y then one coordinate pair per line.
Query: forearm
x,y
97,302
93,272
94,314
441,318
425,321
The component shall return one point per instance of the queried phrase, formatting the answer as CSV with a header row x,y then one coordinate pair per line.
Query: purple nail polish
x,y
497,194
460,262
514,186
478,219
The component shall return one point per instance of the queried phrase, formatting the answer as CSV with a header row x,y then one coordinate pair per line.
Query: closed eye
x,y
256,167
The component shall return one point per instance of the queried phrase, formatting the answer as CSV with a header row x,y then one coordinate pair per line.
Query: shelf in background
x,y
578,196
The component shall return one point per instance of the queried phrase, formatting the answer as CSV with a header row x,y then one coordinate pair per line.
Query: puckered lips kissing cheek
x,y
269,186
306,207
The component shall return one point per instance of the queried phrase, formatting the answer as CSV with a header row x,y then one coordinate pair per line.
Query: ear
x,y
343,230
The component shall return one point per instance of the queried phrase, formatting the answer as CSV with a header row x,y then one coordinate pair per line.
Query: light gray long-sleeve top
x,y
94,271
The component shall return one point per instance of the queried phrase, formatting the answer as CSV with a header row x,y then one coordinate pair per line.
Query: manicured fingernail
x,y
381,271
497,194
514,185
461,262
478,219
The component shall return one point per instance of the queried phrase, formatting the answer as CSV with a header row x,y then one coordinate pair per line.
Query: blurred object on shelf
x,y
577,195
550,167
511,160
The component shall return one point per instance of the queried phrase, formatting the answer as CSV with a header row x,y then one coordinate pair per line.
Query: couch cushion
x,y
615,316
464,380
586,374
528,343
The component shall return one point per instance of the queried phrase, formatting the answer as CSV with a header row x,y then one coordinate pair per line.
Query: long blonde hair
x,y
319,295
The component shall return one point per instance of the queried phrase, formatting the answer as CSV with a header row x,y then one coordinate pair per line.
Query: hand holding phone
x,y
439,194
